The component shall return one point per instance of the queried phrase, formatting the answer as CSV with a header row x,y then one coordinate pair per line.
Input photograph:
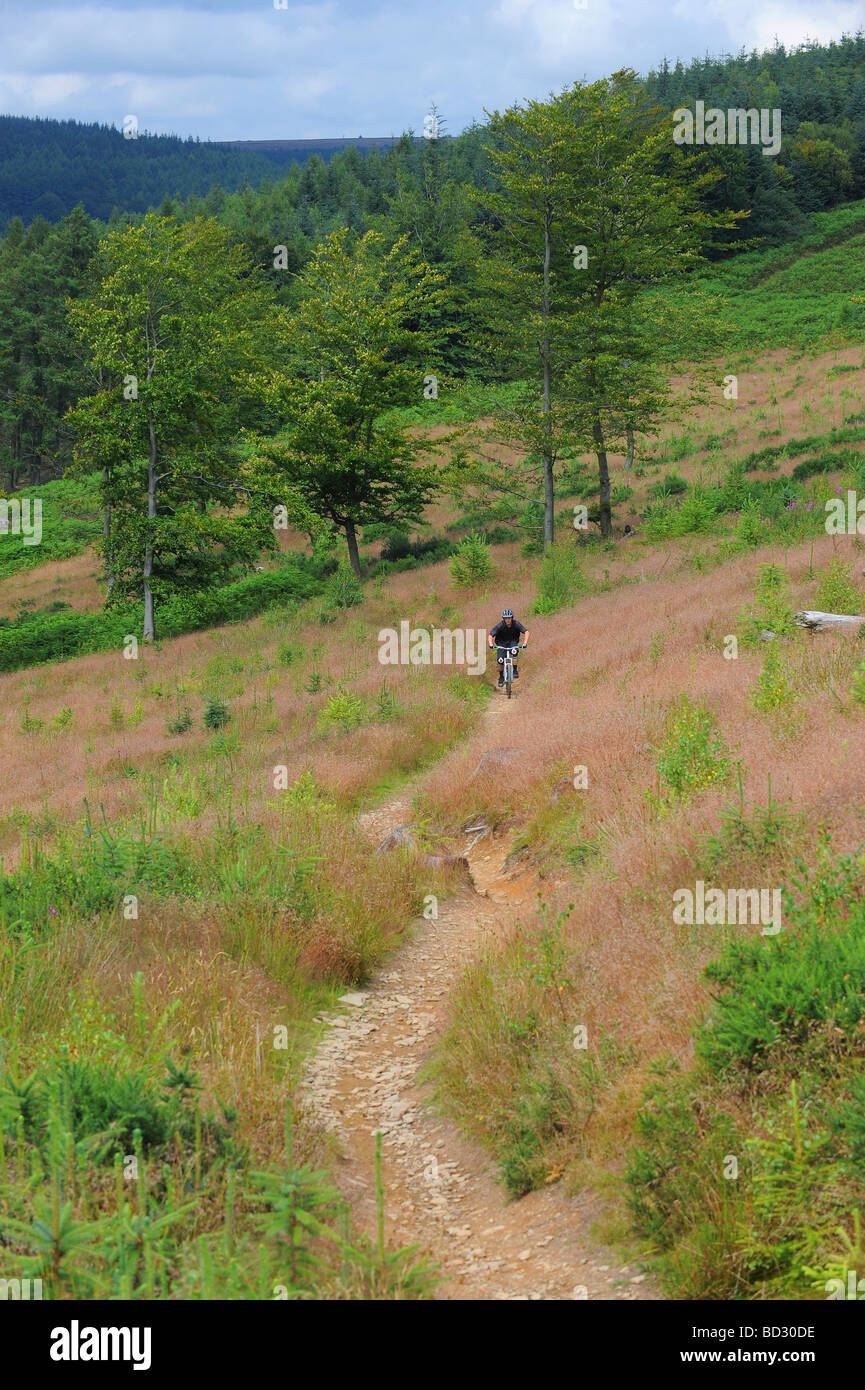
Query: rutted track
x,y
441,1192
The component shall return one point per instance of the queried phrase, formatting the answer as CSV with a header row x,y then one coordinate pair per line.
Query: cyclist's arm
x,y
491,642
525,635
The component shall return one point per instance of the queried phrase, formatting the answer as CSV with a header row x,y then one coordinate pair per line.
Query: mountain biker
x,y
507,633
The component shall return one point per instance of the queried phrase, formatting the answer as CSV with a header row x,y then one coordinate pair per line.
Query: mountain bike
x,y
508,665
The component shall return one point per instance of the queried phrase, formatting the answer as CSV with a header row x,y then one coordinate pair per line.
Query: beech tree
x,y
358,349
636,207
176,337
597,208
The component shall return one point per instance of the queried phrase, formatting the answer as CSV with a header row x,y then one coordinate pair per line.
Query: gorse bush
x,y
472,561
693,755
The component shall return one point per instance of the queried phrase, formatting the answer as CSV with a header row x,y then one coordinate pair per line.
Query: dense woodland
x,y
466,216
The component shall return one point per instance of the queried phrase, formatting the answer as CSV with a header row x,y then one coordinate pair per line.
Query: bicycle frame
x,y
507,668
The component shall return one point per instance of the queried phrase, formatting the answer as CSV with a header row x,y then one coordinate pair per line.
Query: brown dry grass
x,y
596,682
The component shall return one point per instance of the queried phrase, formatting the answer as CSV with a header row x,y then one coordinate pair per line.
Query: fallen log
x,y
822,622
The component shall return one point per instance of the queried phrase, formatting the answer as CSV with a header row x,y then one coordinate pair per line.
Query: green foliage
x,y
698,511
561,579
857,685
70,523
472,561
30,641
103,1110
671,485
781,994
747,1172
773,612
773,689
539,1111
345,710
216,714
693,755
182,723
837,589
361,321
343,590
750,835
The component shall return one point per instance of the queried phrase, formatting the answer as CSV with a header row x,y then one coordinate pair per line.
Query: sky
x,y
244,70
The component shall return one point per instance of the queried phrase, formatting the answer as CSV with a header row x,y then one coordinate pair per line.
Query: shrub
x,y
31,640
472,562
773,689
774,612
693,755
344,589
182,723
779,993
671,485
216,714
560,580
749,528
344,709
857,688
837,590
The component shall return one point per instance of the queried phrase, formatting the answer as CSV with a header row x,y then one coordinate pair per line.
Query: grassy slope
x,y
280,904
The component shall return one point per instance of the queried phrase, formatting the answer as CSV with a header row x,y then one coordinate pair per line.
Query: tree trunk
x,y
353,553
106,533
549,493
629,458
149,632
822,622
603,477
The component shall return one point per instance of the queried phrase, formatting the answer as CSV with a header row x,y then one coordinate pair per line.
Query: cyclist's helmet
x,y
507,613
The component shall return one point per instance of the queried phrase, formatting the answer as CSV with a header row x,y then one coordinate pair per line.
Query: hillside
x,y
48,167
254,765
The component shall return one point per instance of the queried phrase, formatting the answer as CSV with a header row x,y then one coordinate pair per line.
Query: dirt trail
x,y
442,1193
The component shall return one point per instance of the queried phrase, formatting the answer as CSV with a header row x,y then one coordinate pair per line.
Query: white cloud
x,y
240,69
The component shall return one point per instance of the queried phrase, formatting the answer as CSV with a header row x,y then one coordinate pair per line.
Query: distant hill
x,y
287,150
47,166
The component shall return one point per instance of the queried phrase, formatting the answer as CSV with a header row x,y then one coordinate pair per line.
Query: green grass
x,y
71,521
798,293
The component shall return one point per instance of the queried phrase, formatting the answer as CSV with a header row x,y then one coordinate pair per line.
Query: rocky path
x,y
441,1191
